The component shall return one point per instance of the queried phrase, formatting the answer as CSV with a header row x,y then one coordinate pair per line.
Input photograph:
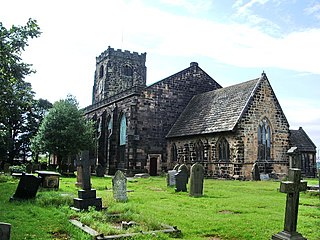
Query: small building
x,y
307,151
230,129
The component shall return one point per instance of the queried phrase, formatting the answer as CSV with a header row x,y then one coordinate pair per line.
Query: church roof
x,y
299,138
215,111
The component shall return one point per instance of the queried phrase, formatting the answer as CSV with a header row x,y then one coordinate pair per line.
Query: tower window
x,y
127,71
101,71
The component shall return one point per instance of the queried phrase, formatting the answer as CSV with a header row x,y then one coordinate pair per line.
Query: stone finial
x,y
192,64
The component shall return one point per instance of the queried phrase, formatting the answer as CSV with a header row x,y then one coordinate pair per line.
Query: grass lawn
x,y
228,210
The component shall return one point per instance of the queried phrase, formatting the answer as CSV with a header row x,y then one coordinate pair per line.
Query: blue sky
x,y
233,41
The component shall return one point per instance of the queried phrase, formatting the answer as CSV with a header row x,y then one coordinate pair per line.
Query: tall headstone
x,y
119,186
294,158
293,187
86,196
196,180
5,229
255,172
182,178
171,179
176,167
27,187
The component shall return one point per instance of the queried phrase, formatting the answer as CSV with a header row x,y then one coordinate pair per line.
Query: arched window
x,y
101,71
110,124
223,150
264,140
199,151
123,130
127,70
174,153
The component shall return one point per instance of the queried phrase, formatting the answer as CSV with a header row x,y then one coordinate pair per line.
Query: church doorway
x,y
153,164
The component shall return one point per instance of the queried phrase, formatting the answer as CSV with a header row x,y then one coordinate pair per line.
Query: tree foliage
x,y
16,95
64,131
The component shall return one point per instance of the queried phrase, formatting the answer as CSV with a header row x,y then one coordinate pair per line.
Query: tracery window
x,y
264,140
174,153
223,150
199,151
127,70
123,130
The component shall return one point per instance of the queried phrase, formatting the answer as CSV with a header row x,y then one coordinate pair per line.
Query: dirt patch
x,y
60,235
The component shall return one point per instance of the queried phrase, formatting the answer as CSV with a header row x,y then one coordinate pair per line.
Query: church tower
x,y
118,72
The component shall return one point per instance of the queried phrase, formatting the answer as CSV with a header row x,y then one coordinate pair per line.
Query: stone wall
x,y
243,141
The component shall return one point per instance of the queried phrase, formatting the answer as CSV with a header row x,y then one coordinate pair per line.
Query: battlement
x,y
123,54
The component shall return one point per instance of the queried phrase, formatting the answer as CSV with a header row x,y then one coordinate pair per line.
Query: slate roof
x,y
215,111
299,138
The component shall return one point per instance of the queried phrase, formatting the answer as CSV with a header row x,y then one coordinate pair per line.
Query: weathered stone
x,y
182,179
293,187
27,187
255,172
119,186
5,229
49,179
171,179
100,170
86,196
196,180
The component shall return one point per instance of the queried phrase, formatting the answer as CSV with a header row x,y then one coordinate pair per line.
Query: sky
x,y
233,41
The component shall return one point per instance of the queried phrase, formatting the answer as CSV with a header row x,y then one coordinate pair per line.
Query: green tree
x,y
16,95
64,131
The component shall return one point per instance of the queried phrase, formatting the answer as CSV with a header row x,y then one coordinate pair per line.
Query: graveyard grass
x,y
228,210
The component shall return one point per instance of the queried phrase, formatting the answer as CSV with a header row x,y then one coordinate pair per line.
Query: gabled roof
x,y
215,111
299,138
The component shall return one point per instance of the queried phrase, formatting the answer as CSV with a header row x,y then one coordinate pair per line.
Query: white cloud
x,y
311,10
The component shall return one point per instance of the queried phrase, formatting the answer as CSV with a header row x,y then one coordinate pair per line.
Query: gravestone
x,y
119,186
29,168
5,229
86,196
49,179
100,170
255,172
176,167
27,187
6,168
182,179
196,180
293,187
171,180
294,158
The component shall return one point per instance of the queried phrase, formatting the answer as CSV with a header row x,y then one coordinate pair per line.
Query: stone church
x,y
185,118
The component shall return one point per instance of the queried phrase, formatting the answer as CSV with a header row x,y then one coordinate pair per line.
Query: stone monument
x,y
86,196
27,187
171,180
196,180
255,172
293,187
294,158
182,179
119,186
5,229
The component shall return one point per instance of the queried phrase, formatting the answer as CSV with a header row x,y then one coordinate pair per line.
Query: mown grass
x,y
228,210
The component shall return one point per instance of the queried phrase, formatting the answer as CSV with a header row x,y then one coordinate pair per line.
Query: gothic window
x,y
127,71
110,123
199,151
264,140
223,150
174,153
123,130
101,71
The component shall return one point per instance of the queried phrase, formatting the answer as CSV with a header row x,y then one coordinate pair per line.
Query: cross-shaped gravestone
x,y
293,187
86,196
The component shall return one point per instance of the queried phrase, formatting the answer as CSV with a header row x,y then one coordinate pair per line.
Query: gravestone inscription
x,y
27,187
196,180
86,196
293,187
119,186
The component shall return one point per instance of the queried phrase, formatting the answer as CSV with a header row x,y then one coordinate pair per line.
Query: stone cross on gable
x,y
293,187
